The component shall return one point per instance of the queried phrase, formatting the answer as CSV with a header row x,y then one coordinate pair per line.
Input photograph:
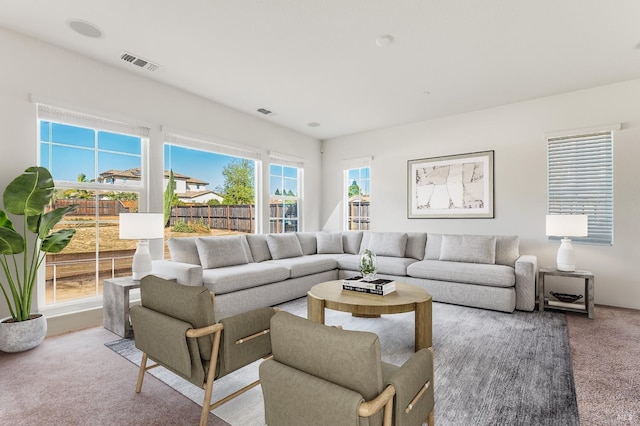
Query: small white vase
x,y
22,335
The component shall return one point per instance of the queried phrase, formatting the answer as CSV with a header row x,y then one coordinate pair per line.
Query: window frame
x,y
97,122
348,165
298,166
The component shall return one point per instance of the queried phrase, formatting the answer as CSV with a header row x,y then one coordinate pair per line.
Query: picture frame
x,y
452,186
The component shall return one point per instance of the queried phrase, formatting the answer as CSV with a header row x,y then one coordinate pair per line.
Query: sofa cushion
x,y
351,241
386,265
217,252
239,277
416,244
392,244
283,246
259,247
329,242
308,242
364,245
471,273
432,250
469,248
184,250
306,265
507,249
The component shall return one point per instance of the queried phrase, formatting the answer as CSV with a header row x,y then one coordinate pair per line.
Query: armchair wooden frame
x,y
216,331
385,400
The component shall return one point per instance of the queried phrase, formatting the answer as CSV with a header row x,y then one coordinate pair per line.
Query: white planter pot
x,y
23,335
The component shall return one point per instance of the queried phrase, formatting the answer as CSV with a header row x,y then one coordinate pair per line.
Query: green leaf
x,y
57,241
5,222
50,219
29,193
33,223
10,241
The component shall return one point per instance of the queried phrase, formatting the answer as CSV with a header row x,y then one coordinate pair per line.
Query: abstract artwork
x,y
454,186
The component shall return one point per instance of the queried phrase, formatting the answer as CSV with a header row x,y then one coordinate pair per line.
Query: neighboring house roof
x,y
195,194
362,198
135,174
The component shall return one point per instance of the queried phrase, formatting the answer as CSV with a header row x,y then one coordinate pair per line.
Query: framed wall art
x,y
453,186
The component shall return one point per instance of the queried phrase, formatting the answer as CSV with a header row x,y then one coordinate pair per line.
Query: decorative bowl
x,y
567,298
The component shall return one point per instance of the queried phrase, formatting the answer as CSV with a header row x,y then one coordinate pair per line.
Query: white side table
x,y
115,305
585,307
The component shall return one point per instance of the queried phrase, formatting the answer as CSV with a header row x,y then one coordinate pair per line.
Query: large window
x,y
357,190
213,188
580,180
84,154
284,198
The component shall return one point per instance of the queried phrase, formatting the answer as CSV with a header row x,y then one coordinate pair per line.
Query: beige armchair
x,y
175,327
323,375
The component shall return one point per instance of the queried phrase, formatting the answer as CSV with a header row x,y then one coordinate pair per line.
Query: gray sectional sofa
x,y
252,271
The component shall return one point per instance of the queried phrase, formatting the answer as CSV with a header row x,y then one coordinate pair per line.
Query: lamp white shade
x,y
141,226
567,225
574,225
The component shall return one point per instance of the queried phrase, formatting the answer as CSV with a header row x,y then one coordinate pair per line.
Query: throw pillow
x,y
217,252
416,242
329,242
391,244
259,247
469,248
432,250
184,250
308,242
283,246
351,241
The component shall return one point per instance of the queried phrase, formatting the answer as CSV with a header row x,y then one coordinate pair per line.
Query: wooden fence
x,y
239,218
88,207
359,214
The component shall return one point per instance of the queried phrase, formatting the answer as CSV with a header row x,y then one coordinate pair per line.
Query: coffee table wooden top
x,y
403,299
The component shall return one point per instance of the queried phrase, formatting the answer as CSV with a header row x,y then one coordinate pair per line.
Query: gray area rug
x,y
492,368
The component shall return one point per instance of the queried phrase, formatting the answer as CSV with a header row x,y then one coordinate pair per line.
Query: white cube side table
x,y
586,307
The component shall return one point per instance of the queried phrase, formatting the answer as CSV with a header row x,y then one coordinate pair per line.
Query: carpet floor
x,y
491,368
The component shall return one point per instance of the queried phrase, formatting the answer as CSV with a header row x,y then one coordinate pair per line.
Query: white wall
x,y
31,67
516,133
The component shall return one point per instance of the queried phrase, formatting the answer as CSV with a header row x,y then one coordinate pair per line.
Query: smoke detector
x,y
138,61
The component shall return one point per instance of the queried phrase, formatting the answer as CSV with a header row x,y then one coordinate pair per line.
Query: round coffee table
x,y
406,298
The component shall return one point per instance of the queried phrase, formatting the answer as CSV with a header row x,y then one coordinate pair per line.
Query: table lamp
x,y
565,226
142,227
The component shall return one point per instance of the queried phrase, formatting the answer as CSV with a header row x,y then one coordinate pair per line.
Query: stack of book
x,y
380,286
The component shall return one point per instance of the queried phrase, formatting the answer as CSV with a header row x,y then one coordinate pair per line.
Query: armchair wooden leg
x,y
430,421
143,365
388,413
211,374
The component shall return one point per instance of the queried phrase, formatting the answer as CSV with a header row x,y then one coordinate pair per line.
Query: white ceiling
x,y
317,60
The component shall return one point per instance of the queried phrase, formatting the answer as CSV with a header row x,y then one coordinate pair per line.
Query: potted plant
x,y
22,252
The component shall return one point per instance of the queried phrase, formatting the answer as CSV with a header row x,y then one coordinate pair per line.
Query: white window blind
x,y
59,115
580,181
209,145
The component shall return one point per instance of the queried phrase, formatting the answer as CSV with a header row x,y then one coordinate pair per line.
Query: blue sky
x,y
68,151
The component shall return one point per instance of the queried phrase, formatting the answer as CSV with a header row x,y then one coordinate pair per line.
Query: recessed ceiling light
x,y
426,92
85,28
384,40
313,124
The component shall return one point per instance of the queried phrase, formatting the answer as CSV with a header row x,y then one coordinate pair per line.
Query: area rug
x,y
491,368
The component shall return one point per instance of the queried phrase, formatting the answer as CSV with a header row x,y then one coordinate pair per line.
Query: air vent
x,y
138,61
264,111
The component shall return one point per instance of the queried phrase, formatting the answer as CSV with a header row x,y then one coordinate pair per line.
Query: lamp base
x,y
566,260
141,266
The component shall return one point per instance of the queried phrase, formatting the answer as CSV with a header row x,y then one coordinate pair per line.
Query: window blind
x,y
59,115
580,181
208,145
286,160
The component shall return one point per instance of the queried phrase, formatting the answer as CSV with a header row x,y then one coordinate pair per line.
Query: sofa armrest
x,y
526,279
184,273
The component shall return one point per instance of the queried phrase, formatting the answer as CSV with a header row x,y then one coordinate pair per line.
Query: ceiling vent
x,y
264,111
138,61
